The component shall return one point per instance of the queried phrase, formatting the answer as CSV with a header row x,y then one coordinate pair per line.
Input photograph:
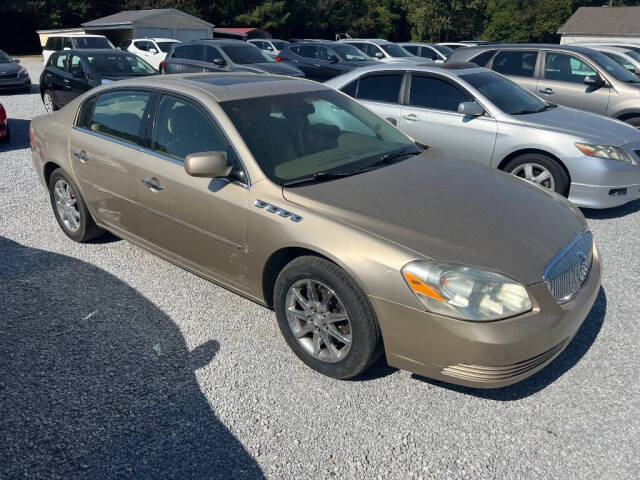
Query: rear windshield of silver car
x,y
295,136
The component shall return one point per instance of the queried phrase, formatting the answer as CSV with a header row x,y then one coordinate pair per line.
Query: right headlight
x,y
465,292
604,151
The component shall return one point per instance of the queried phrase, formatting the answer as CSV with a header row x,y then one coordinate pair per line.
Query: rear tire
x,y
345,348
49,104
70,208
541,170
633,121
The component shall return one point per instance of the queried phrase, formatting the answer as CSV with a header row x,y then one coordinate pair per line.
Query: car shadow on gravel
x,y
617,212
18,135
578,347
97,382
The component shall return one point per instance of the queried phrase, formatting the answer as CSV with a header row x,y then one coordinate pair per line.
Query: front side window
x,y
325,53
380,88
76,66
395,50
143,45
622,61
521,64
566,68
189,52
314,132
246,54
369,49
181,128
119,114
61,62
350,53
436,94
306,51
508,96
279,44
119,64
211,54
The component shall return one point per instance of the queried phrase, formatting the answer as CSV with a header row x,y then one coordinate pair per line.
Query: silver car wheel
x,y
66,205
48,102
318,320
535,173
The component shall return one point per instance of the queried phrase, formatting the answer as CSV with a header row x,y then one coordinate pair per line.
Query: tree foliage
x,y
429,20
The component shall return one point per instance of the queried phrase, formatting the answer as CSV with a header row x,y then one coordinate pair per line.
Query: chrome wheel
x,y
66,205
48,102
535,173
318,320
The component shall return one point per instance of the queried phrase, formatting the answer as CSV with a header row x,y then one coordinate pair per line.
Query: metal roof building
x,y
602,24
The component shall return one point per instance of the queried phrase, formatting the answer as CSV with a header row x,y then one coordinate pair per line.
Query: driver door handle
x,y
412,117
152,183
82,156
547,91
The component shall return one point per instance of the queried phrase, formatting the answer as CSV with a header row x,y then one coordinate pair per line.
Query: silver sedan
x,y
477,114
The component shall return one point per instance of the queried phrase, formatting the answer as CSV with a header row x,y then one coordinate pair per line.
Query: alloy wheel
x,y
535,173
318,320
66,205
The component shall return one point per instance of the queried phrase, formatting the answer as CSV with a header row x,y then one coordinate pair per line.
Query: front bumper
x,y
596,196
484,354
15,83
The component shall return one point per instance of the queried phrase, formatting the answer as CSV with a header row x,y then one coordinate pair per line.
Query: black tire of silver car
x,y
70,208
541,170
332,328
633,121
49,104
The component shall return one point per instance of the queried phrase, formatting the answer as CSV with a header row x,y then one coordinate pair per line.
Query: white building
x,y
602,24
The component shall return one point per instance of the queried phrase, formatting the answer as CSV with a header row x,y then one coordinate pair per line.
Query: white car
x,y
384,51
151,50
270,46
75,42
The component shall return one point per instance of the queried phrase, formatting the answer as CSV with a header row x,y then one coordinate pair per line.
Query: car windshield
x,y
4,58
164,46
350,53
612,67
246,54
119,65
396,50
633,54
443,49
92,42
279,44
301,135
505,94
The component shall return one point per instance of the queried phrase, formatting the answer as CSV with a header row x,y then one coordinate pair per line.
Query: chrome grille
x,y
568,271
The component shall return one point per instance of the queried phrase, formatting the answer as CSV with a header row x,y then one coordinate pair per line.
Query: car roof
x,y
612,48
75,35
225,86
216,41
95,51
540,46
377,41
449,69
417,44
154,39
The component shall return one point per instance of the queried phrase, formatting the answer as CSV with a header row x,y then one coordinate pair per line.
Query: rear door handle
x,y
547,91
152,183
82,156
411,117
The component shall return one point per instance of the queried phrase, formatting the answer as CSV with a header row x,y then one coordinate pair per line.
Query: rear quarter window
x,y
483,59
85,112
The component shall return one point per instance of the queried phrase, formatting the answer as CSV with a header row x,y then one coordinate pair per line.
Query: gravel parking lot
x,y
116,364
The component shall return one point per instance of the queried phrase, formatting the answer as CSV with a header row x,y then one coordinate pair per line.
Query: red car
x,y
4,125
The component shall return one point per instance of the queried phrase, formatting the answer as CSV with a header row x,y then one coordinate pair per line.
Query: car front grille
x,y
568,271
8,75
482,373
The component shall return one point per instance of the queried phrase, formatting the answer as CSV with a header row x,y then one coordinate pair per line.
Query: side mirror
x,y
333,59
153,50
593,81
207,164
16,60
379,55
470,108
219,61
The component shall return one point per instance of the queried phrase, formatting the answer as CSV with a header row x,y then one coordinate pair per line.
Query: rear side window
x,y
85,113
411,48
380,88
482,59
143,45
521,64
66,43
182,128
61,61
350,88
433,93
119,114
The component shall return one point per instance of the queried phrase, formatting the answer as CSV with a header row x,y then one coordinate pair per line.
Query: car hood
x,y
275,68
452,210
591,126
9,67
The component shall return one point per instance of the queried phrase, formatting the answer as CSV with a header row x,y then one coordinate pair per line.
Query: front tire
x,y
541,170
49,104
633,121
70,208
325,318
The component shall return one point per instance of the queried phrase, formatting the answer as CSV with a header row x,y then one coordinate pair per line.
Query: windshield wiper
x,y
318,176
384,159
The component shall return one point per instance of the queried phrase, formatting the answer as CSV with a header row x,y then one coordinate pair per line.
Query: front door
x,y
198,222
104,152
432,118
562,82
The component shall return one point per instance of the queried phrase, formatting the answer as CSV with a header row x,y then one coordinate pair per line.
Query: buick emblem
x,y
583,268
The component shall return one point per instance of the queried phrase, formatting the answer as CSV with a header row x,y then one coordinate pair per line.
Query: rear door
x,y
562,82
58,78
79,71
105,147
431,116
381,92
306,60
327,68
519,66
186,59
200,222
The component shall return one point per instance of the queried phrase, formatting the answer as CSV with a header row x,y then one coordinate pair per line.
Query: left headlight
x,y
23,72
465,292
604,151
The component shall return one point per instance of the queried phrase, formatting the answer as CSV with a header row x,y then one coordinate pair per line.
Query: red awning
x,y
234,30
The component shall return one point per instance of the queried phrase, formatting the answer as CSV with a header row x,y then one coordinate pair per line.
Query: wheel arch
x,y
48,169
503,163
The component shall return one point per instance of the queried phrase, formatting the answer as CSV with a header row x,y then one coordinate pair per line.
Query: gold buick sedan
x,y
297,197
